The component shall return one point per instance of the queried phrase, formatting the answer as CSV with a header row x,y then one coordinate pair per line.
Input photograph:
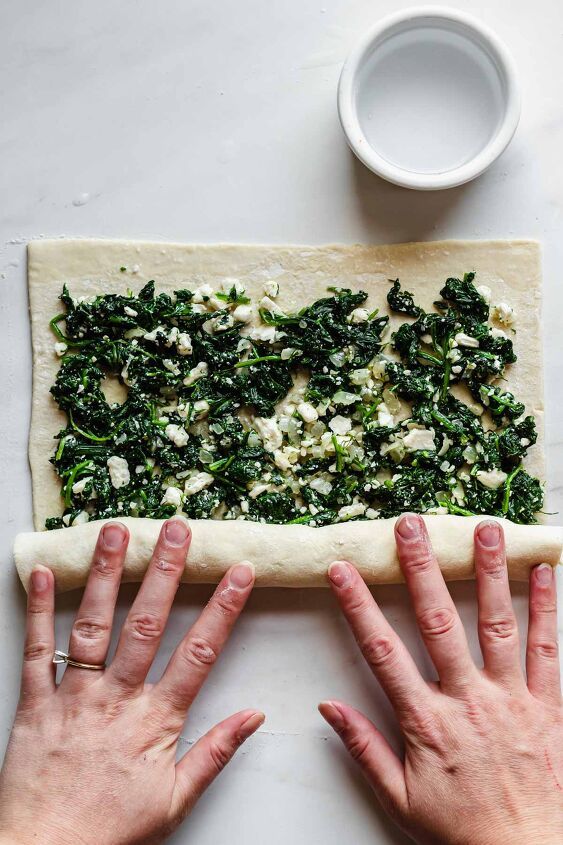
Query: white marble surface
x,y
196,121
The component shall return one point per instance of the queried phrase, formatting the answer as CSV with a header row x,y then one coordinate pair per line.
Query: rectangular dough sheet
x,y
283,555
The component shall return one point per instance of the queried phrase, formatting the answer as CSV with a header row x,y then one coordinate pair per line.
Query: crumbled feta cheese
x,y
172,496
244,505
498,333
228,284
281,460
359,315
463,339
267,334
269,432
271,288
130,311
184,344
268,304
321,485
201,292
360,376
350,511
492,479
177,434
258,489
242,313
78,486
81,518
445,446
118,471
419,439
340,425
307,412
504,314
172,366
371,513
60,349
80,388
196,373
197,483
485,292
384,416
201,407
456,369
155,332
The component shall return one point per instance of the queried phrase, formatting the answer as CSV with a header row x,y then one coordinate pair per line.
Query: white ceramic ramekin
x,y
434,64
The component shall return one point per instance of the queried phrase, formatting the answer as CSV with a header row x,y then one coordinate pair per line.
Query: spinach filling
x,y
316,417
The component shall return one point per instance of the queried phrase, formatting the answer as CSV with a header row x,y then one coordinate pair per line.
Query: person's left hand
x,y
93,761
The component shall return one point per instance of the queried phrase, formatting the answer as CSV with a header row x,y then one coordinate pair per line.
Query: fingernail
x,y
113,535
241,575
339,573
39,580
408,526
332,714
250,726
544,574
176,531
489,534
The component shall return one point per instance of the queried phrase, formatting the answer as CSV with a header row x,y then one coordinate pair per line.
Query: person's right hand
x,y
483,761
93,761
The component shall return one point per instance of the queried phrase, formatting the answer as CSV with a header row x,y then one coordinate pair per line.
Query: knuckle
x,y
225,603
357,605
358,747
493,565
37,651
546,649
418,559
437,621
219,755
104,566
90,629
146,626
168,563
378,650
199,652
502,628
544,608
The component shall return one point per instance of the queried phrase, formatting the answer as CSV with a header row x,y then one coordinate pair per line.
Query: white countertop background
x,y
204,122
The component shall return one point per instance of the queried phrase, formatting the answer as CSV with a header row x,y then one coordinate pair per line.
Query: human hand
x,y
94,759
483,758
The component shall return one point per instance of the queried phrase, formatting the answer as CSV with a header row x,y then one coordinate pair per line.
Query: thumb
x,y
369,748
209,756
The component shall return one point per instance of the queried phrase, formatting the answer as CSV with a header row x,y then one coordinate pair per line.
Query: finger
x,y
38,672
193,658
498,631
377,760
91,632
383,650
147,618
436,615
209,756
542,654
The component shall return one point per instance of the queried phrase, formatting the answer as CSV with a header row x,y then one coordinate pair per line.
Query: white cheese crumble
x,y
184,344
242,313
504,314
197,483
359,315
267,334
78,486
463,339
384,416
492,479
60,349
340,425
172,496
307,412
350,511
269,431
271,288
196,373
419,439
485,292
130,311
177,434
118,471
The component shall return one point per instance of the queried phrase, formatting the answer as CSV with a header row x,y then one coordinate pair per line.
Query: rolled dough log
x,y
285,555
